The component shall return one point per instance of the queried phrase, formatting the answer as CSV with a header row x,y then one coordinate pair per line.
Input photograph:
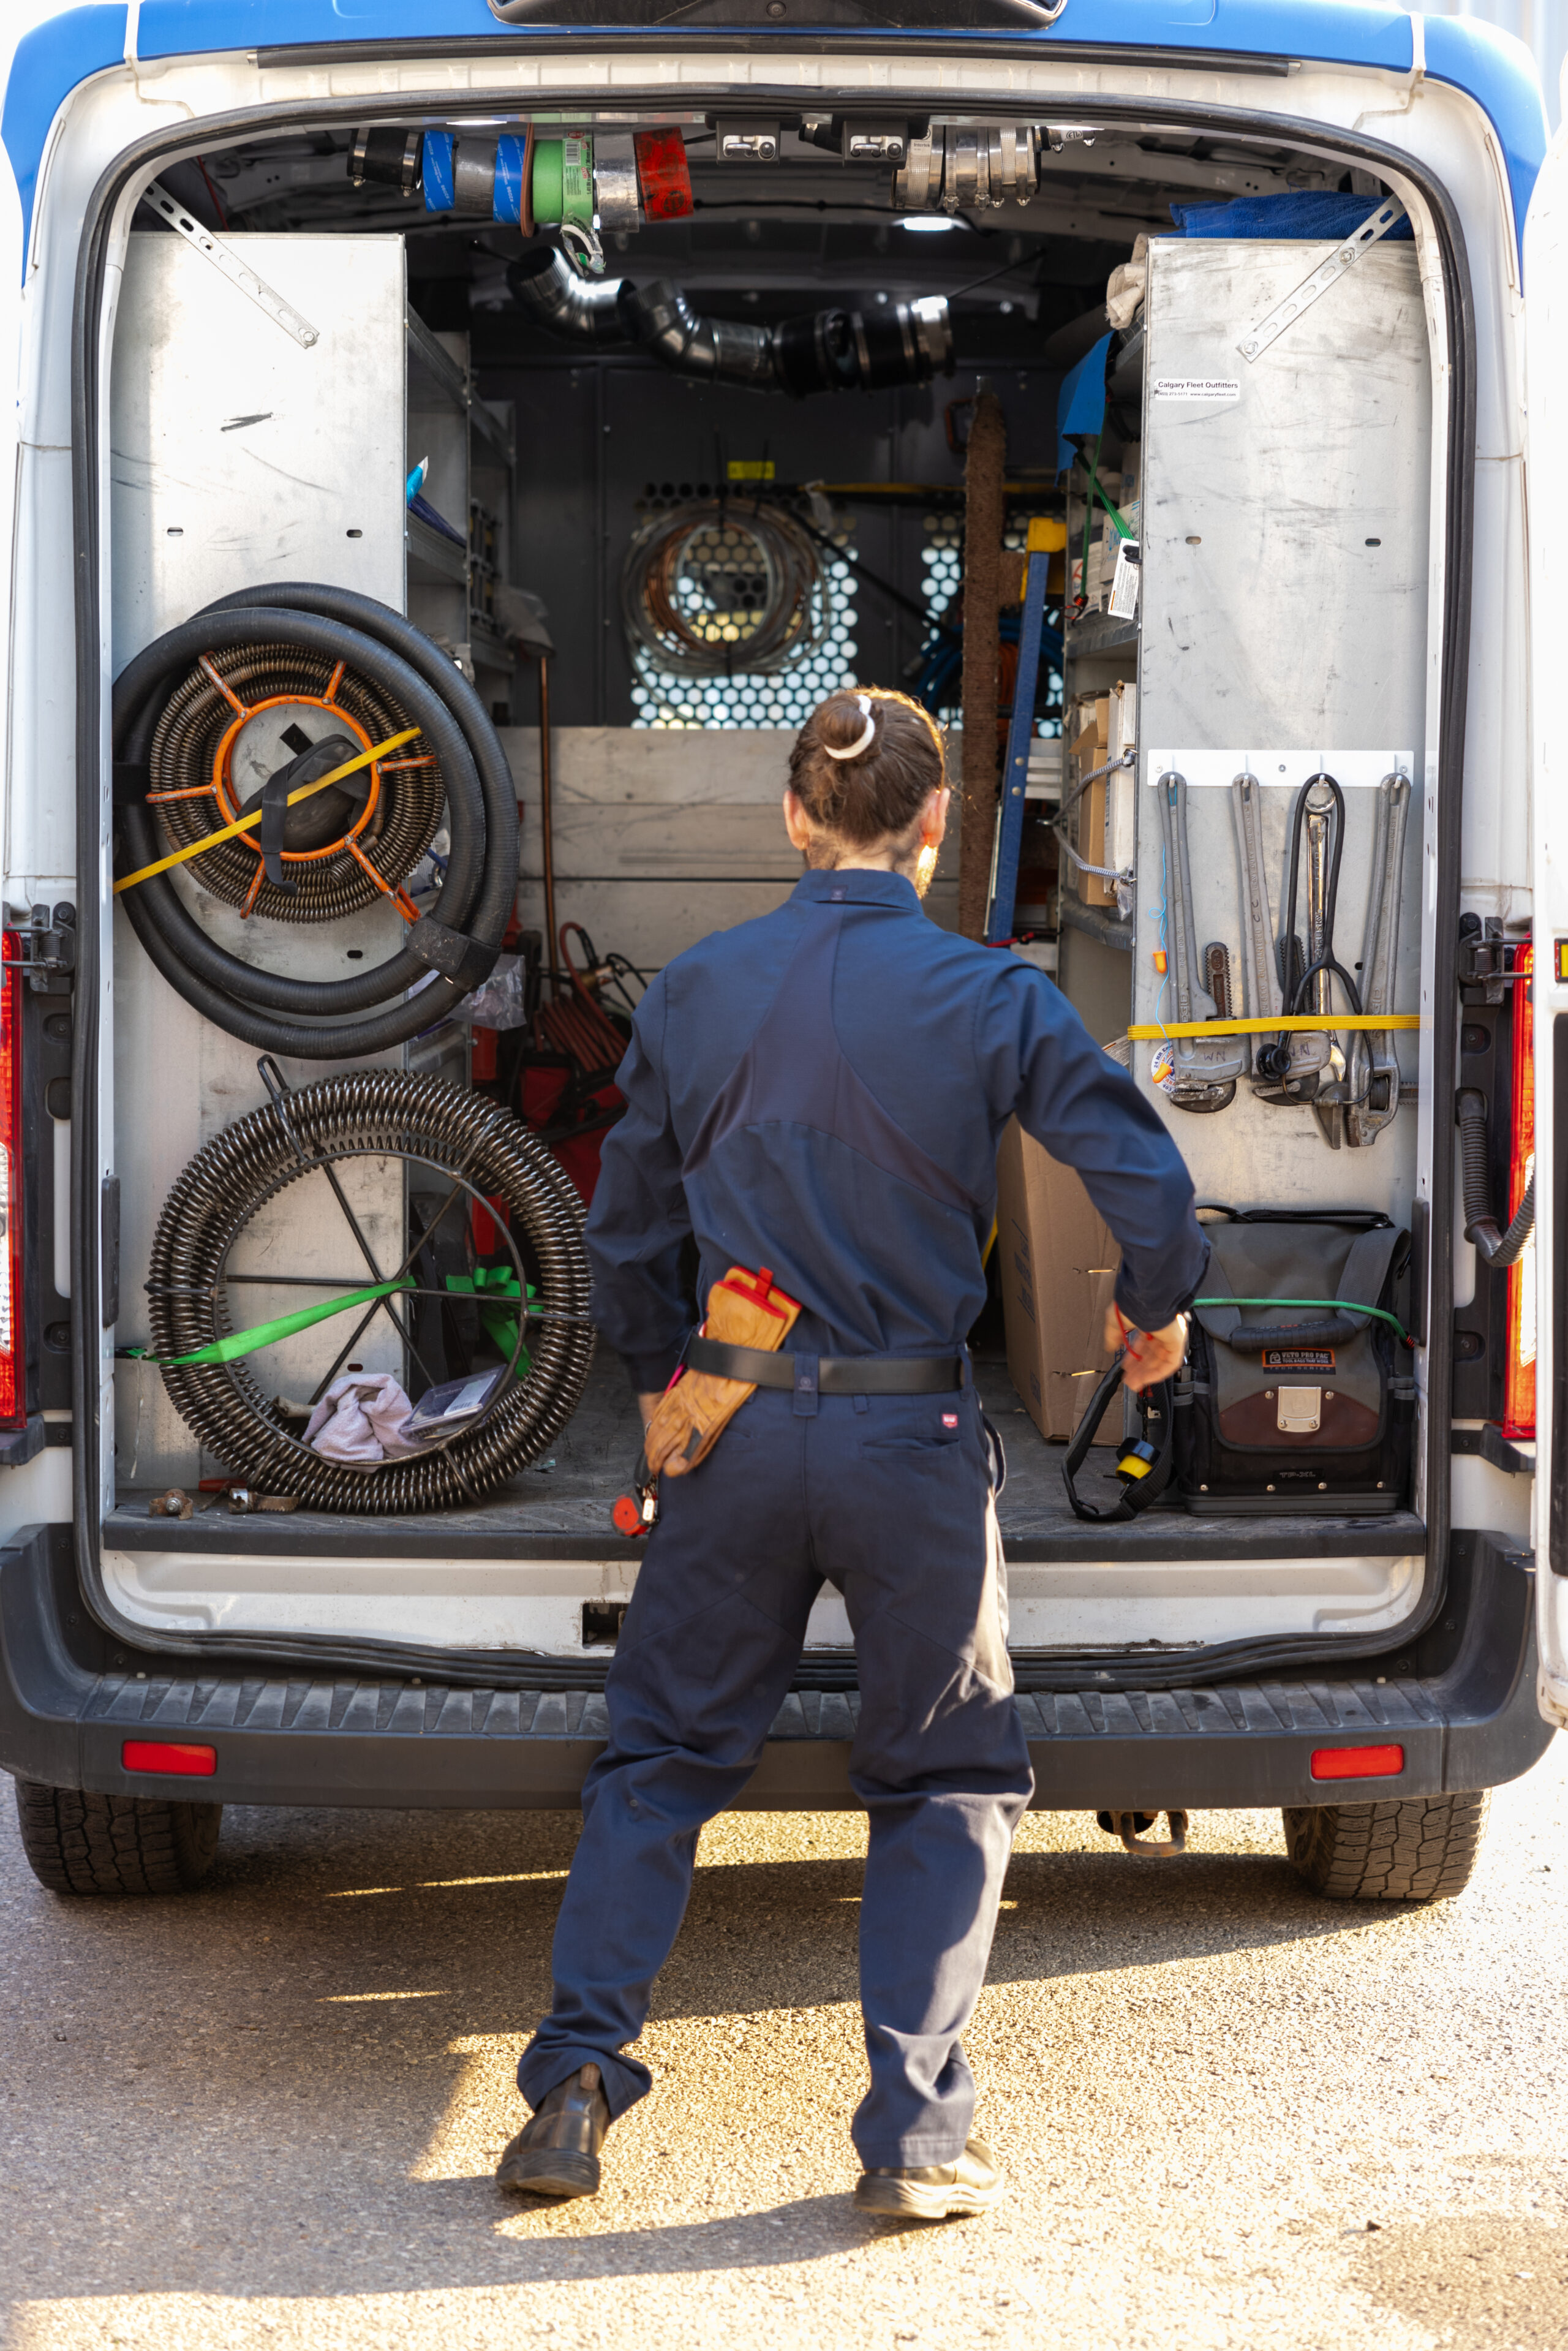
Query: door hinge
x,y
1486,971
46,949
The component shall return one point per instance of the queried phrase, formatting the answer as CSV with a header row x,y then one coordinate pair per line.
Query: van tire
x,y
1423,1850
82,1843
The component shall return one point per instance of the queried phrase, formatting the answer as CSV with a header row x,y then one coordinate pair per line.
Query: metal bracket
x,y
46,949
1484,962
238,272
1129,1827
1328,273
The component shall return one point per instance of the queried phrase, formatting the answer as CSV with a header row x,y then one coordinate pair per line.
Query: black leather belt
x,y
835,1374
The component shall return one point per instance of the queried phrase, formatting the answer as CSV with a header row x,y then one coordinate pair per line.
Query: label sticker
x,y
1197,387
1123,601
1162,1067
1298,1359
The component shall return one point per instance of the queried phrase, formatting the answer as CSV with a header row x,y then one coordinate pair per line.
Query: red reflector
x,y
13,1348
1357,1763
163,1755
1519,1379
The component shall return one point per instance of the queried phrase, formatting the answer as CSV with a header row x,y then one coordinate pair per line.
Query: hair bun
x,y
864,762
853,721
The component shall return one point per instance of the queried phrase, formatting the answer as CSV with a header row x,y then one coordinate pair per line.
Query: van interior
x,y
662,425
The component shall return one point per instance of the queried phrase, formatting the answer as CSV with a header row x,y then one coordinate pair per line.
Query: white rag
x,y
1128,289
359,1418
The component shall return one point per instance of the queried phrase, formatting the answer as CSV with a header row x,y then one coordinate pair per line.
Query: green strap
x,y
488,1285
244,1342
1099,488
1088,513
1336,1306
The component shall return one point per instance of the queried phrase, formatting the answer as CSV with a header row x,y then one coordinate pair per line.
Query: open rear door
x,y
1546,493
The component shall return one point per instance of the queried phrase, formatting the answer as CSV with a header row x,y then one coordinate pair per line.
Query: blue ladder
x,y
1040,546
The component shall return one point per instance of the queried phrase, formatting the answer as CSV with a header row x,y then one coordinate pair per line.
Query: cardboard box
x,y
1091,750
1058,1266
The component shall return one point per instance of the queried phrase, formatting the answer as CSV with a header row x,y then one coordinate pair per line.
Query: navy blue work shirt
x,y
822,1091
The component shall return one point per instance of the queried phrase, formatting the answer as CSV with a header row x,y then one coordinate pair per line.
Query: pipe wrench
x,y
1372,1092
1290,1058
1202,1070
1323,812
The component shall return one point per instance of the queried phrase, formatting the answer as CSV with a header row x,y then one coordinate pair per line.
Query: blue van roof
x,y
1496,70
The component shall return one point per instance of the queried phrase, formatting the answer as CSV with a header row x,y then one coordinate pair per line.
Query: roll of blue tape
x,y
437,174
511,152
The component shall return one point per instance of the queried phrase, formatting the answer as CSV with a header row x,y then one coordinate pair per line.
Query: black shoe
x,y
933,2192
556,2153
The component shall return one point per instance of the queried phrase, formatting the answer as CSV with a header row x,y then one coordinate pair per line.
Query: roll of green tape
x,y
563,181
547,181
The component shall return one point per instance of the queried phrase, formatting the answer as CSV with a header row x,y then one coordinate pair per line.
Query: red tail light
x,y
1518,1384
1357,1763
169,1756
13,1337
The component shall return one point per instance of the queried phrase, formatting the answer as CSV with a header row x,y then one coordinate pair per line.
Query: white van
x,y
434,412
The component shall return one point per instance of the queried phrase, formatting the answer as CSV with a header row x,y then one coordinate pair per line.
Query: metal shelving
x,y
470,448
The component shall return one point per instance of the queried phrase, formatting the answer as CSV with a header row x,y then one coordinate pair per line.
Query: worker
x,y
820,1092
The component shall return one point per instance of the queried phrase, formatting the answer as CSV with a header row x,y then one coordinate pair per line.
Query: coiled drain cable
x,y
480,1150
262,637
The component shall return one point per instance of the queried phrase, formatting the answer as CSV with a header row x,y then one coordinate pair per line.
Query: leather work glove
x,y
744,1311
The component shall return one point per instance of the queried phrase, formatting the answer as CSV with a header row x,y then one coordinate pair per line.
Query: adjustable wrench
x,y
1204,1072
1373,1087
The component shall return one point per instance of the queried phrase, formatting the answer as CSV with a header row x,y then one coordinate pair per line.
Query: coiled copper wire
x,y
376,1110
710,588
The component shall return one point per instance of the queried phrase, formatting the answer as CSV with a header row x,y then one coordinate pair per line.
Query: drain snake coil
x,y
164,716
369,1111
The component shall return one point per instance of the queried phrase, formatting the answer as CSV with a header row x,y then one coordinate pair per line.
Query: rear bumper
x,y
1461,1705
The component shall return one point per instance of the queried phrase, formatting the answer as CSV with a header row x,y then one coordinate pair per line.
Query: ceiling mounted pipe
x,y
820,351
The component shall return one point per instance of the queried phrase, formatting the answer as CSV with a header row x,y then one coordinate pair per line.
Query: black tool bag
x,y
1297,1408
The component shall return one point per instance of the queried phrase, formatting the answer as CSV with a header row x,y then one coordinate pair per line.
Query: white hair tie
x,y
864,741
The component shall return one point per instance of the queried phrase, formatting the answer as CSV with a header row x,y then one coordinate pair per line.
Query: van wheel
x,y
82,1843
1423,1850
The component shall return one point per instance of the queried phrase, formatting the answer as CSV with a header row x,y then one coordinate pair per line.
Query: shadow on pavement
x,y
227,2095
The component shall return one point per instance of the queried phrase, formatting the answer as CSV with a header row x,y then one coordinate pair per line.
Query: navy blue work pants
x,y
885,1498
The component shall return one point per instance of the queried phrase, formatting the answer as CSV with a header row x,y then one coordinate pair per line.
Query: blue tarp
x,y
1322,215
1081,402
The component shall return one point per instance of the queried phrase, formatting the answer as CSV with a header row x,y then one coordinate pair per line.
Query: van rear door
x,y
1546,492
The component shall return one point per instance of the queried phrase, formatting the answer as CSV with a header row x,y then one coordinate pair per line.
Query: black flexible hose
x,y
369,1111
477,896
1498,1250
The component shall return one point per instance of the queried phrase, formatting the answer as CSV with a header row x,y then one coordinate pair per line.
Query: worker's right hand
x,y
1148,1357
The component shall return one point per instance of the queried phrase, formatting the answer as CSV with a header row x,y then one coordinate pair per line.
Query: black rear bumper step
x,y
508,1528
1466,1718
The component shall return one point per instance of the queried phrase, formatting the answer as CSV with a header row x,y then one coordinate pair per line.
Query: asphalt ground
x,y
1233,2114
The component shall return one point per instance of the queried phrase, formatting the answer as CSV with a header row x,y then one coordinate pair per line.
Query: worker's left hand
x,y
1148,1357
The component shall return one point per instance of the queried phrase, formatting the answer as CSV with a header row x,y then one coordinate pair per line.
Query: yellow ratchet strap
x,y
245,824
1149,1032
